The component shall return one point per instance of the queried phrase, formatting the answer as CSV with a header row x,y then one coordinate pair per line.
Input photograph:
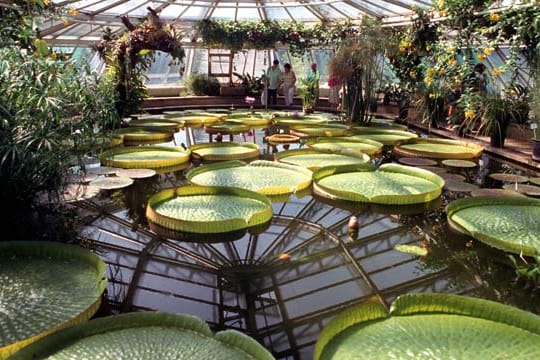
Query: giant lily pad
x,y
384,136
265,177
387,184
45,287
509,223
299,120
314,159
206,209
146,335
439,149
251,119
140,136
339,144
224,151
156,124
148,157
320,130
431,326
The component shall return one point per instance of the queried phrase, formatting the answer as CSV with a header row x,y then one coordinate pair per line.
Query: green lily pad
x,y
320,130
460,164
207,209
146,335
314,159
226,128
431,326
225,151
265,177
411,249
112,182
495,192
136,173
387,184
439,149
340,144
529,190
387,137
534,180
416,161
148,157
140,136
509,223
457,185
511,178
45,287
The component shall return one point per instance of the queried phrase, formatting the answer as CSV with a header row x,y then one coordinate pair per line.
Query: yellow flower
x,y
452,62
430,71
45,2
412,74
73,12
496,72
450,50
488,51
65,22
53,56
402,49
431,95
494,16
469,114
440,3
481,57
428,80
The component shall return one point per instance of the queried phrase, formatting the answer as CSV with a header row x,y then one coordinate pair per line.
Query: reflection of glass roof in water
x,y
243,284
93,15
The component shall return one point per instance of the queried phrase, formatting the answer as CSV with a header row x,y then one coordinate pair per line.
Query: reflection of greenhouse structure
x,y
245,284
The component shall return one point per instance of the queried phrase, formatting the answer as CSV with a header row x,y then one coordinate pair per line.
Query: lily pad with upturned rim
x,y
338,144
314,159
534,180
136,173
509,223
320,130
387,184
112,182
387,137
224,151
529,190
148,157
265,177
431,326
145,335
439,149
511,178
459,164
208,209
456,185
495,192
45,287
416,161
140,136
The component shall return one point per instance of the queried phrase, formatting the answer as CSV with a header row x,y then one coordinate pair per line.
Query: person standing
x,y
274,77
313,77
333,91
289,83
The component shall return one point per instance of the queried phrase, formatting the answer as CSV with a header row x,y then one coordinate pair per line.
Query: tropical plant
x,y
49,107
308,91
359,64
254,85
203,84
129,56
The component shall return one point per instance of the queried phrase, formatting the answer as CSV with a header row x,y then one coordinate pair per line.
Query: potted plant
x,y
498,112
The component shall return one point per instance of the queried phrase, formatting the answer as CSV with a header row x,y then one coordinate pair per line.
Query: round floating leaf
x,y
163,124
314,159
495,192
200,209
511,178
196,120
321,130
460,164
225,151
139,136
509,223
83,178
300,120
456,185
530,190
265,177
417,161
146,335
439,149
431,326
340,144
112,182
148,157
136,173
226,128
277,139
411,249
449,176
388,184
255,119
535,180
386,124
103,170
386,137
45,287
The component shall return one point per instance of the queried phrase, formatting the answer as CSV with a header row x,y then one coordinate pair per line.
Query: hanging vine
x,y
129,56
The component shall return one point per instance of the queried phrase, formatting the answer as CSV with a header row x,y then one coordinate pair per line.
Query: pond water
x,y
282,285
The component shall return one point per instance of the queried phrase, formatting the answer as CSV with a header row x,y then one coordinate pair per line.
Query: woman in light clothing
x,y
289,83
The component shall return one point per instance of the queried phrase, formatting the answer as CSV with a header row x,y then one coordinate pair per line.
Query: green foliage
x,y
254,85
202,84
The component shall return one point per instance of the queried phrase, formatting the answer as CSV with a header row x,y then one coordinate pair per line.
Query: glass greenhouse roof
x,y
86,24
